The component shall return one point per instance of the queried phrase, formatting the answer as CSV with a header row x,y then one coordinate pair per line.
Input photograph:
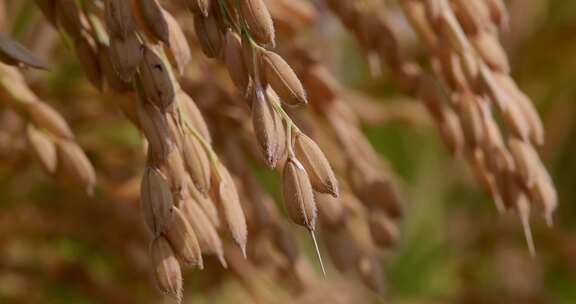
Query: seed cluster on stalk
x,y
199,193
49,136
469,90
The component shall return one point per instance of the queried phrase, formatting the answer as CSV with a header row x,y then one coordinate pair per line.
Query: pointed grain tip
x,y
549,220
243,248
222,261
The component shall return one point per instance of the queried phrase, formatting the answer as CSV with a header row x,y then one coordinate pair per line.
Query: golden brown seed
x,y
264,125
235,61
155,127
13,53
492,51
176,172
207,235
126,55
314,161
89,60
192,114
118,17
545,195
43,148
178,51
151,13
343,250
371,273
322,86
197,162
166,268
282,79
258,18
156,80
451,132
297,194
524,158
183,239
229,203
205,202
156,199
383,230
285,241
73,163
44,116
279,130
375,189
471,119
200,7
331,210
109,73
209,35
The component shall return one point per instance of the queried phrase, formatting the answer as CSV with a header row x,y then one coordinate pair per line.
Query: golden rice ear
x,y
383,230
167,270
178,50
209,35
153,19
285,241
331,210
118,18
205,202
492,52
75,165
183,240
280,76
112,79
197,163
157,82
126,55
264,122
192,114
259,21
526,160
208,239
13,53
226,195
155,127
235,61
156,199
46,117
451,132
43,148
297,194
314,161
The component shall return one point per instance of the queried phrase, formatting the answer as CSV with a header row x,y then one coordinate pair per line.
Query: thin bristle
x,y
528,235
313,235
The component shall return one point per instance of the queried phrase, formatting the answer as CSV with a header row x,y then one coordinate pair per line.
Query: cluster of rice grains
x,y
469,92
198,203
49,137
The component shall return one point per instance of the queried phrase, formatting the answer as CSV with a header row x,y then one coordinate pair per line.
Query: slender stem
x,y
211,154
226,13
